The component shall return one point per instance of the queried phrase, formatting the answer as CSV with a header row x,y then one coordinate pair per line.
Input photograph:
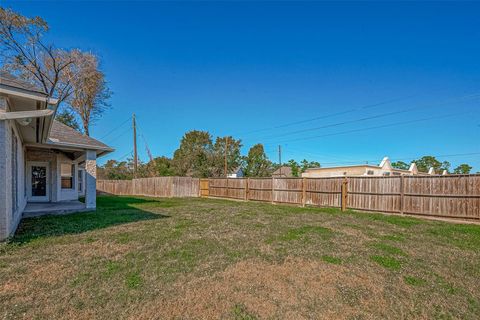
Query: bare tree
x,y
71,76
25,54
90,93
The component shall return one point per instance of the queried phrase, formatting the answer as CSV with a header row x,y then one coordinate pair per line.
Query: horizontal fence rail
x,y
452,196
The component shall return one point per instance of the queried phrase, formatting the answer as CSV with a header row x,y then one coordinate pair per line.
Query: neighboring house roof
x,y
63,135
236,170
385,164
286,171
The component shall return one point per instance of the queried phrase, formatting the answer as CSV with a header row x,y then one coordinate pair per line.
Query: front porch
x,y
35,209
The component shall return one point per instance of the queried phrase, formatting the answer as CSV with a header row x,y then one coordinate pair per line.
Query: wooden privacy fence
x,y
152,187
453,196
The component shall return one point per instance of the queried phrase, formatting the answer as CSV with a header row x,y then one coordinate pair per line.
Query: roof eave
x,y
24,93
49,121
80,146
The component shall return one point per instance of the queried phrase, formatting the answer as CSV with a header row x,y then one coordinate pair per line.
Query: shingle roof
x,y
286,172
12,81
61,134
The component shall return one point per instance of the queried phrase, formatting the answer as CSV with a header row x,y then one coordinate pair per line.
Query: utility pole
x,y
226,148
280,158
135,158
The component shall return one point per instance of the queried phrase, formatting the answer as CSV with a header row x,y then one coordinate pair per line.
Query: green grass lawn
x,y
144,258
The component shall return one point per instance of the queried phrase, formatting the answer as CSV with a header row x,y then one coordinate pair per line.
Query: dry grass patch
x,y
143,258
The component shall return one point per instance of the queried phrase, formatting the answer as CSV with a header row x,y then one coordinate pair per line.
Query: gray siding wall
x,y
5,205
9,219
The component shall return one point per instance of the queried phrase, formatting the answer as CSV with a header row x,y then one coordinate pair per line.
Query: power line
x,y
114,129
330,115
374,127
445,102
119,136
356,120
125,155
368,106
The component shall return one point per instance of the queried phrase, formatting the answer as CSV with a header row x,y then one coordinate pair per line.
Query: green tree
x,y
309,164
193,157
68,118
116,170
257,163
462,169
234,157
295,167
401,165
161,167
426,162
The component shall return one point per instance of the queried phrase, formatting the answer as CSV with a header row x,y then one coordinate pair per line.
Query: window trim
x,y
71,177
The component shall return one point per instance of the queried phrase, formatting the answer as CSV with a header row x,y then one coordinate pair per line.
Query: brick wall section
x,y
91,179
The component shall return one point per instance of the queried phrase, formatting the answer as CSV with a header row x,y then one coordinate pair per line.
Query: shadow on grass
x,y
110,211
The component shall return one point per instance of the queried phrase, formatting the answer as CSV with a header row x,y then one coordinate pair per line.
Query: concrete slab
x,y
35,209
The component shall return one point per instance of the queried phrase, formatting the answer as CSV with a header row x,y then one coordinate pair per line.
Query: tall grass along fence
x,y
453,196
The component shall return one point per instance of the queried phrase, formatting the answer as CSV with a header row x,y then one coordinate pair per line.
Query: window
x,y
67,174
370,172
386,174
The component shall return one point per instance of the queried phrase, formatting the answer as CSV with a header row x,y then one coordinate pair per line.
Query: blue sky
x,y
339,83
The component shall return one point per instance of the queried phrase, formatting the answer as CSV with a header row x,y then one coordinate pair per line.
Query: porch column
x,y
4,199
91,179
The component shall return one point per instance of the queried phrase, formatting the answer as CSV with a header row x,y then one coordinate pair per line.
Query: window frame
x,y
71,177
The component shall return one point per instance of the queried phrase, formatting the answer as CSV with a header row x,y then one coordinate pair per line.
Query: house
x,y
383,169
236,173
283,172
43,163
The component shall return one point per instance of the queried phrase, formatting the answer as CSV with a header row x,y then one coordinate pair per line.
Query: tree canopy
x,y
462,169
193,157
68,118
234,157
426,162
400,165
257,163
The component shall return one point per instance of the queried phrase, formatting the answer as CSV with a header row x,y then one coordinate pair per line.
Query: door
x,y
38,182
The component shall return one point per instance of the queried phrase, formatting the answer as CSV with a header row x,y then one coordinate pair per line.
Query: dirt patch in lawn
x,y
296,288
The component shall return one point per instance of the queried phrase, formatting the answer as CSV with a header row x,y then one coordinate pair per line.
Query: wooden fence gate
x,y
204,188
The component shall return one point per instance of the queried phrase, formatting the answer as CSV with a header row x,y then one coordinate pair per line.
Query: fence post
x,y
273,190
304,191
154,186
199,187
402,193
344,194
227,189
246,189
